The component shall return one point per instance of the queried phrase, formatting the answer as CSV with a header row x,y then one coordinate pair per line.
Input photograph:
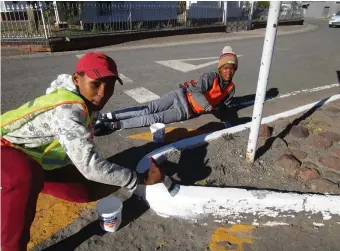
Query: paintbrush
x,y
170,185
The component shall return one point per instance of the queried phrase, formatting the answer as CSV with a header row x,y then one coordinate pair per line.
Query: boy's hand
x,y
154,175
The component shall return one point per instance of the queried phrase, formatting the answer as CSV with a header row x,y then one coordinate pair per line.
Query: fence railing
x,y
47,20
287,14
78,19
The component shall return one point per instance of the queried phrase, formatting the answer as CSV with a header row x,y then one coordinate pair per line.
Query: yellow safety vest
x,y
50,155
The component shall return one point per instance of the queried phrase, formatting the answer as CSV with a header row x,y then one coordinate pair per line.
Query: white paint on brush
x,y
141,95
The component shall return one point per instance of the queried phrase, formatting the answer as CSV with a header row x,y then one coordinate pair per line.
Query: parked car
x,y
335,20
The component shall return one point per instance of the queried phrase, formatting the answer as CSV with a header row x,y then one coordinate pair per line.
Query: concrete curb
x,y
193,202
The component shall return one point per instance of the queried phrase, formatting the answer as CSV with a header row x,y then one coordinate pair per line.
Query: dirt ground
x,y
285,161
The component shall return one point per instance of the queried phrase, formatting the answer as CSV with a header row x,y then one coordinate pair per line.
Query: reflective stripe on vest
x,y
214,96
51,155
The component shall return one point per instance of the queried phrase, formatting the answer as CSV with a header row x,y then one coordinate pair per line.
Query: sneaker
x,y
227,124
103,127
104,117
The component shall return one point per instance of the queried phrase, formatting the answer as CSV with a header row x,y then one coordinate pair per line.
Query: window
x,y
104,8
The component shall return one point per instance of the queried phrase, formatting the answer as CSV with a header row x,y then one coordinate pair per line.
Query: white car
x,y
335,20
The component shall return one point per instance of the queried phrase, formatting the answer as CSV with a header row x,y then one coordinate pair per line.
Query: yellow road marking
x,y
172,134
52,215
236,236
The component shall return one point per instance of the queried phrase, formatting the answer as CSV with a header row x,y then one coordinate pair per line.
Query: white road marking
x,y
320,88
183,66
324,87
141,95
125,78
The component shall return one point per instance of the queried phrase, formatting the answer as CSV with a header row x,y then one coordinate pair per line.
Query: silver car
x,y
334,20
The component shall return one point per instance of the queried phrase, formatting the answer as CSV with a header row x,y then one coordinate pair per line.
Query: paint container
x,y
109,210
158,132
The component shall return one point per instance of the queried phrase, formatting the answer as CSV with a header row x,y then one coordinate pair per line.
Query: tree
x,y
263,4
32,16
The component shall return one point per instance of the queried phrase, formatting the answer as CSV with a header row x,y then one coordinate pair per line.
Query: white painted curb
x,y
192,201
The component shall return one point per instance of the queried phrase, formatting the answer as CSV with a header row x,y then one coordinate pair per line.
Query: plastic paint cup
x,y
158,132
109,210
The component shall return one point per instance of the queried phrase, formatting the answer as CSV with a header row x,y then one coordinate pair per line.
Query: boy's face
x,y
96,91
227,71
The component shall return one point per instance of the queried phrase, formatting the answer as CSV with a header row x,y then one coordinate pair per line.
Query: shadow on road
x,y
230,114
133,208
190,168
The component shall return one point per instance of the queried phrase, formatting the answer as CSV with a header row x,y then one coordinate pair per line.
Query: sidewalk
x,y
209,37
171,41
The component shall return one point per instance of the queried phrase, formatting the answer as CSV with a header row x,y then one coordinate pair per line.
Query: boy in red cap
x,y
50,132
213,90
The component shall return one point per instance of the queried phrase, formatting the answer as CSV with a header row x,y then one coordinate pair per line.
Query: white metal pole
x,y
267,53
250,16
43,19
57,20
225,13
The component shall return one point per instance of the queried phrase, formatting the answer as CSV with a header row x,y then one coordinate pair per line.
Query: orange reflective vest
x,y
214,96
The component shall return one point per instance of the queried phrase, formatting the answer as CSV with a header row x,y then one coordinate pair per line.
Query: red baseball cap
x,y
98,65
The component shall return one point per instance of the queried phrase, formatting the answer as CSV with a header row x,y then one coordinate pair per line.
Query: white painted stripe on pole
x,y
125,78
141,95
192,202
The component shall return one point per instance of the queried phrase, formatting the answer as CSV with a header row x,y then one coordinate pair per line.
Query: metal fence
x,y
48,20
81,18
287,14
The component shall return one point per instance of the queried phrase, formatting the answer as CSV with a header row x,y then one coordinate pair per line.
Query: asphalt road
x,y
301,62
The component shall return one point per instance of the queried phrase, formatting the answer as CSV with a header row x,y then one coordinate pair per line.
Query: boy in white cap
x,y
212,90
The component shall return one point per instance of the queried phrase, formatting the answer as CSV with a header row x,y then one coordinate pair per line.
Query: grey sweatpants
x,y
172,107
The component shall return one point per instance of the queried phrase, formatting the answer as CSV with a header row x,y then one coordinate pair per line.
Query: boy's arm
x,y
198,90
70,129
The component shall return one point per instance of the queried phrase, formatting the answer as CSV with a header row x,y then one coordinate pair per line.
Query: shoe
x,y
104,117
103,127
227,124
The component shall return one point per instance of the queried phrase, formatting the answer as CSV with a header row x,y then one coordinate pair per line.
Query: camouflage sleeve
x,y
69,125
